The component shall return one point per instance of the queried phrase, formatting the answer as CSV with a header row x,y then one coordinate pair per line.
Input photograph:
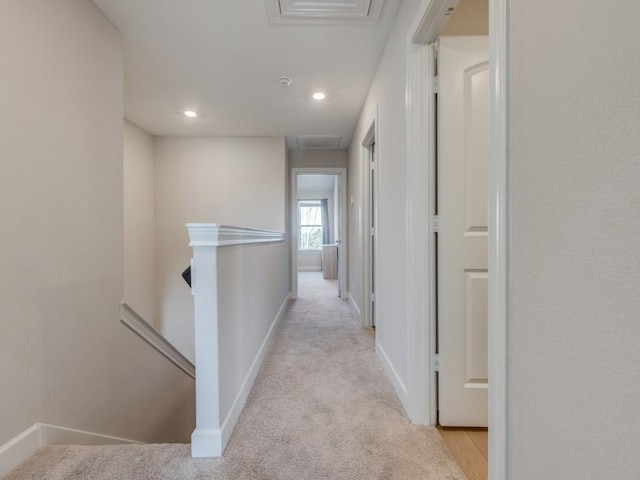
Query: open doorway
x,y
462,126
318,230
369,187
455,79
422,294
461,129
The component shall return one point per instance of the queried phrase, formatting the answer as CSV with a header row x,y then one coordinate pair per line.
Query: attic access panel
x,y
324,11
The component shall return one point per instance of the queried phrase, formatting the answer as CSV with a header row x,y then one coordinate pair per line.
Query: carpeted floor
x,y
321,408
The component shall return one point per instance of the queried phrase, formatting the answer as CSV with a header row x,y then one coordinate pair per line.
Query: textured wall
x,y
139,224
388,93
66,358
575,224
226,180
252,286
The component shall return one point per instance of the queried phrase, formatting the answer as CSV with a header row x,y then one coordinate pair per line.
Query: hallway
x,y
321,408
332,413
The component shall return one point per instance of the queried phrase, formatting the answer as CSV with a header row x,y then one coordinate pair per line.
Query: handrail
x,y
216,235
141,327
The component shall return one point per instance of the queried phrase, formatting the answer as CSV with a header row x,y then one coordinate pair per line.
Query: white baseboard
x,y
309,269
206,443
18,449
54,435
238,403
39,435
396,381
353,303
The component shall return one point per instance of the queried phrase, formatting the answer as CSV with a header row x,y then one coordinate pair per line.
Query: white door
x,y
462,170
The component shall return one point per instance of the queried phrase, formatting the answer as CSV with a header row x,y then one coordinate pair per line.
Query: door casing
x,y
370,210
421,388
342,248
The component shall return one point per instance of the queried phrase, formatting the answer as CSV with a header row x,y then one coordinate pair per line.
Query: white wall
x,y
310,261
66,358
252,286
139,223
388,93
232,181
318,158
574,329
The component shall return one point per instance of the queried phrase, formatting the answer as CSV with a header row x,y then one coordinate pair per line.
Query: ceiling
x,y
471,17
223,59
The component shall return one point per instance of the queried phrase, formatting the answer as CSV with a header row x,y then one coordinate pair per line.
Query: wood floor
x,y
470,447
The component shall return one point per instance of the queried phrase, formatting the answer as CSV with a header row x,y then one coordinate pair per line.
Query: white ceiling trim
x,y
318,12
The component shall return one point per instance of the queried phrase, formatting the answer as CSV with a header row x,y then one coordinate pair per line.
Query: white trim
x,y
425,29
499,256
135,322
231,418
420,242
215,235
370,137
341,172
55,435
364,13
396,382
39,435
206,443
19,448
353,303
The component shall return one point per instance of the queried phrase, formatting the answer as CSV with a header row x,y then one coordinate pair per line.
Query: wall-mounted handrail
x,y
144,330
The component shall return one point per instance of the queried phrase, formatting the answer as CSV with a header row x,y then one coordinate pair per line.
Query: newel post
x,y
206,440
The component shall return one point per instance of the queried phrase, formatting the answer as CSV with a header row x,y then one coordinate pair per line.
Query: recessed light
x,y
190,113
318,96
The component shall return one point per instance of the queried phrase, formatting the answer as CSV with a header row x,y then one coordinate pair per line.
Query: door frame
x,y
369,210
421,389
341,173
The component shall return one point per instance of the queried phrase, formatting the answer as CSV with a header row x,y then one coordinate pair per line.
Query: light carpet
x,y
321,408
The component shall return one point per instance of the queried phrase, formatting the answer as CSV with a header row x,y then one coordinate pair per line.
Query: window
x,y
310,237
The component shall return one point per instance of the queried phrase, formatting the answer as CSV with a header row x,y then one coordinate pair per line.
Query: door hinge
x,y
434,224
373,297
373,231
435,362
435,84
372,164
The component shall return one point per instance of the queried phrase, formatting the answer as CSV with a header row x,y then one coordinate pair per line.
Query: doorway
x,y
462,153
370,211
462,117
422,295
318,227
